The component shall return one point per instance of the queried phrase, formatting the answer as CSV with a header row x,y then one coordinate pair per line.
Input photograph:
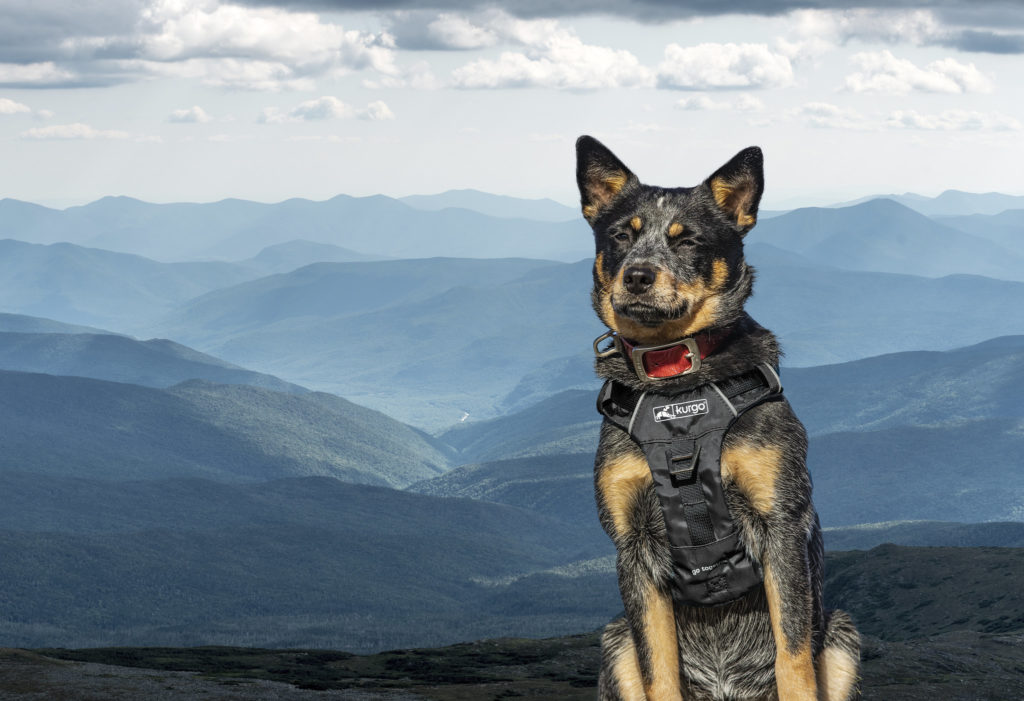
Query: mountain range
x,y
74,426
238,229
951,202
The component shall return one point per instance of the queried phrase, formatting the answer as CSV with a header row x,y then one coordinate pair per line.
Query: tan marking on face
x,y
602,276
619,482
794,664
837,673
626,670
675,228
754,469
589,212
637,223
735,197
659,624
719,273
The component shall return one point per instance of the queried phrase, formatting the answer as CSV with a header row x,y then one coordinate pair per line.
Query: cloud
x,y
709,66
882,72
222,44
953,120
68,132
555,57
8,106
33,75
426,30
327,107
192,115
920,27
642,10
743,103
823,115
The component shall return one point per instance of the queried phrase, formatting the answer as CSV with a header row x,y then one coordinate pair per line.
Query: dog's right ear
x,y
600,175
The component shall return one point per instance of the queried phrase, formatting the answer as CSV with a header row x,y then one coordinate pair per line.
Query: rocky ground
x,y
957,666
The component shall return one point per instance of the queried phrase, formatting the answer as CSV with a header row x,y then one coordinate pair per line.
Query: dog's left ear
x,y
737,186
601,176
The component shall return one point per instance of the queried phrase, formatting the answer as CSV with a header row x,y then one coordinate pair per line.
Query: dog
x,y
669,272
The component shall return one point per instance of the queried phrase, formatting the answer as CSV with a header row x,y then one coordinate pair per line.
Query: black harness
x,y
681,434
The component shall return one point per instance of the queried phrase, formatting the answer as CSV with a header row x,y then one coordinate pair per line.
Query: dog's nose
x,y
638,279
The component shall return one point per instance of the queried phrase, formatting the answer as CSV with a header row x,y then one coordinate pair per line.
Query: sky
x,y
199,100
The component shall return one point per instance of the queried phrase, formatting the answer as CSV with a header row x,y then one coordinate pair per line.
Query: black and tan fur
x,y
777,642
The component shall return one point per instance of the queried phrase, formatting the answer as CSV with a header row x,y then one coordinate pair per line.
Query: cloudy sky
x,y
197,100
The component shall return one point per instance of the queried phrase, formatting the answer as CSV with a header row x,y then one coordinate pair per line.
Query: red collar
x,y
671,359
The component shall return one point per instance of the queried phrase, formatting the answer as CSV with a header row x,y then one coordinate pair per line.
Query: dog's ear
x,y
601,176
736,187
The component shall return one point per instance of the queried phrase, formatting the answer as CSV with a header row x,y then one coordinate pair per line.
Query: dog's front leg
x,y
774,480
632,516
787,586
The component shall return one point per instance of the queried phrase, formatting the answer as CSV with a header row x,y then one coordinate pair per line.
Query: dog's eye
x,y
622,237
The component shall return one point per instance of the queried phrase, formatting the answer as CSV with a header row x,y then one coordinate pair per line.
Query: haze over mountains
x,y
207,468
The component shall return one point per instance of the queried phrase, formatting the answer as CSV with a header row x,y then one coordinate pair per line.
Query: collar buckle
x,y
616,346
693,355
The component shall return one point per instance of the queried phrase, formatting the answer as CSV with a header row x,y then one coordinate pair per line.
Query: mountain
x,y
284,257
559,486
235,229
964,471
1005,229
298,561
72,426
20,323
100,288
422,340
154,363
915,388
1003,534
495,205
951,202
825,316
885,236
566,422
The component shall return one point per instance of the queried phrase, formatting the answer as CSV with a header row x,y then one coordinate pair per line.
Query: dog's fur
x,y
777,642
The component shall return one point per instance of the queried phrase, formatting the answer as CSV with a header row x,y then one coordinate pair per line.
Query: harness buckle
x,y
693,356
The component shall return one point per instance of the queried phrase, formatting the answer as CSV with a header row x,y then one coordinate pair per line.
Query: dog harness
x,y
681,434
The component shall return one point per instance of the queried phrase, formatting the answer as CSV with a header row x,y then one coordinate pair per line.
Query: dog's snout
x,y
638,279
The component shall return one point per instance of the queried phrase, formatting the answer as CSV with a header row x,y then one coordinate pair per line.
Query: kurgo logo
x,y
685,410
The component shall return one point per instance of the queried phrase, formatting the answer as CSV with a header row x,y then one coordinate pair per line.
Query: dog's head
x,y
669,261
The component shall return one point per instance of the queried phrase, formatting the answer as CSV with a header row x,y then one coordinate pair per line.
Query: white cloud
x,y
183,29
42,74
8,106
224,45
43,114
868,25
326,107
377,111
824,115
192,115
707,66
882,72
555,57
67,132
743,103
953,120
